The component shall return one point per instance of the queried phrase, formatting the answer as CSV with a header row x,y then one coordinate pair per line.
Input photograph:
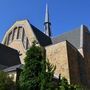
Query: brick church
x,y
70,52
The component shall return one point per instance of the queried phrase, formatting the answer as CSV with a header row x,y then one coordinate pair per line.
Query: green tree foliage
x,y
46,77
64,85
6,82
37,73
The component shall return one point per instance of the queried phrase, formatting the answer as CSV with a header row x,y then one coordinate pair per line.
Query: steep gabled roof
x,y
75,37
8,56
42,38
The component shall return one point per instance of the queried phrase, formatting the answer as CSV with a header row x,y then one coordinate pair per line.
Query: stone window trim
x,y
14,35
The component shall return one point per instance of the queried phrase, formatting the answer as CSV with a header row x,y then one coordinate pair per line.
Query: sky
x,y
65,15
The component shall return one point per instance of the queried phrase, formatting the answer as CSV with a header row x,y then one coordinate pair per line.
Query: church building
x,y
70,52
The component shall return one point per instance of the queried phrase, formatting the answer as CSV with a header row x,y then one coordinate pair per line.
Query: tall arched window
x,y
23,34
27,43
9,37
15,32
19,33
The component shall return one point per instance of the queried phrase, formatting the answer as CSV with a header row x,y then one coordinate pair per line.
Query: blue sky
x,y
65,15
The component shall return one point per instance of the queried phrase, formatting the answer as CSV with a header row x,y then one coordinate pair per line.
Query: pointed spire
x,y
47,23
47,14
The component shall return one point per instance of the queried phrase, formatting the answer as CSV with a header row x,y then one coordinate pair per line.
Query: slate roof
x,y
8,56
13,68
43,39
2,67
73,37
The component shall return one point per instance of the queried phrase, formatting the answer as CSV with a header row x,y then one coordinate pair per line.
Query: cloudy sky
x,y
65,15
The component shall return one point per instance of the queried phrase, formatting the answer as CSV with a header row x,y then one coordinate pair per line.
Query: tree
x,y
6,82
46,76
64,85
37,73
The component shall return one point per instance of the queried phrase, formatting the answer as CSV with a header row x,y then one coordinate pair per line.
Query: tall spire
x,y
47,23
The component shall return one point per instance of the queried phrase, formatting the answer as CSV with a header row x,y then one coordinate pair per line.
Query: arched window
x,y
27,43
23,35
15,33
9,37
19,33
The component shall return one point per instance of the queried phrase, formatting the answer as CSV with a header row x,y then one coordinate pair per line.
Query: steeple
x,y
47,23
